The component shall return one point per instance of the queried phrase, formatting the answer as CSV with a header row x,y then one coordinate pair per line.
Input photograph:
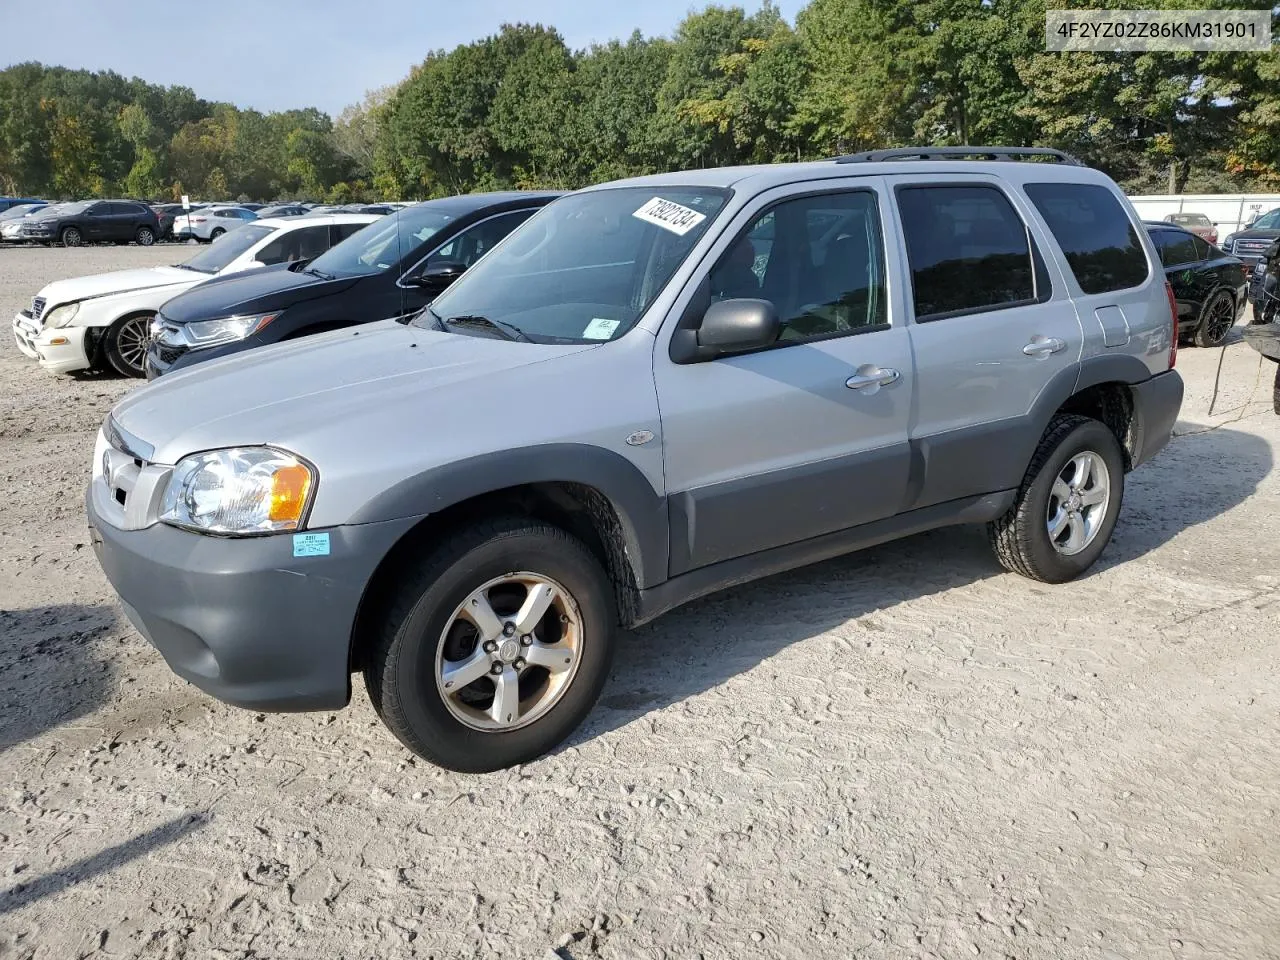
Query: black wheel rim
x,y
1221,317
131,342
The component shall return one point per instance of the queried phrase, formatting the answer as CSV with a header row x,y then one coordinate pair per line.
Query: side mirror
x,y
735,326
437,276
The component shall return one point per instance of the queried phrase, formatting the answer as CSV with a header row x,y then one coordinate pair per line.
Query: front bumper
x,y
242,618
58,349
1156,403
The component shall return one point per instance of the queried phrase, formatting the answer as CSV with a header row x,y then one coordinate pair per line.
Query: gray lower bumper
x,y
243,619
1156,403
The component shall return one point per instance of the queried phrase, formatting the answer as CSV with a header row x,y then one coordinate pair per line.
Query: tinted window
x,y
1176,247
969,250
291,245
1095,234
474,242
340,231
1203,250
819,260
1268,221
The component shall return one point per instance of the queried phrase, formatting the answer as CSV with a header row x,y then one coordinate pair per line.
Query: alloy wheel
x,y
1220,319
1078,502
132,340
509,652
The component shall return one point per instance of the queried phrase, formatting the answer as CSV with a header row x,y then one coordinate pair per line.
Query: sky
x,y
280,54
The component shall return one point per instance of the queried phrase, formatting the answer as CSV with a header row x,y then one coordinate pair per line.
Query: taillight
x,y
1173,319
201,219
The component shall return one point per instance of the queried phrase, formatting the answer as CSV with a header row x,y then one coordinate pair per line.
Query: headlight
x,y
239,491
62,315
212,333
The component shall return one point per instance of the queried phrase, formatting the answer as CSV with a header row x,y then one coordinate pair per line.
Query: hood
x,y
1263,233
253,291
289,392
104,284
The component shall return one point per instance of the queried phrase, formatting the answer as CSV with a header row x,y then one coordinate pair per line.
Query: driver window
x,y
818,259
474,242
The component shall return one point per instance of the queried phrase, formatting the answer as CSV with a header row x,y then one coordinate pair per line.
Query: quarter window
x,y
819,260
1176,248
969,251
1095,234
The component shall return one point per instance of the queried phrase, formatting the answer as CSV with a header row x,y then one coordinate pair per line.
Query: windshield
x,y
21,210
1268,221
227,247
77,206
1190,219
381,244
585,267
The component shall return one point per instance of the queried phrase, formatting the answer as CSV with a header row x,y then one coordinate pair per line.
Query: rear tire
x,y
71,237
1023,539
125,345
145,236
428,631
1216,320
216,233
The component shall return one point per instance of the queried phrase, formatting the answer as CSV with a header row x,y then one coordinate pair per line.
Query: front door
x,y
97,221
991,327
808,436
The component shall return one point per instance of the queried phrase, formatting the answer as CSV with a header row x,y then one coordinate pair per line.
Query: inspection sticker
x,y
670,216
310,544
600,329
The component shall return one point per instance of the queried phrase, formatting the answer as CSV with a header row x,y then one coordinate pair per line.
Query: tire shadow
x,y
49,674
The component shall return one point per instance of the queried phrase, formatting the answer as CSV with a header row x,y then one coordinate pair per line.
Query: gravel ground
x,y
903,753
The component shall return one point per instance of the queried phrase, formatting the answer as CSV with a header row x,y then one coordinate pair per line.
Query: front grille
x,y
168,355
37,307
1249,246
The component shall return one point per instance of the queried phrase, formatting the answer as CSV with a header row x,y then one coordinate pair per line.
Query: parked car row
x,y
75,223
573,413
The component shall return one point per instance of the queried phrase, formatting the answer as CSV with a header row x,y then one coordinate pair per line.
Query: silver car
x,y
11,221
209,223
651,390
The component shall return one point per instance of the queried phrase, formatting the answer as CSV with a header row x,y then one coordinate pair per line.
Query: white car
x,y
211,222
104,319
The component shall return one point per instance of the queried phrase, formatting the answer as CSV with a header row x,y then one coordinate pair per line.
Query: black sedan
x,y
393,267
1209,286
89,221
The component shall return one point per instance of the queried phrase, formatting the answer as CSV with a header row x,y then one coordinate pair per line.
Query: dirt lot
x,y
904,753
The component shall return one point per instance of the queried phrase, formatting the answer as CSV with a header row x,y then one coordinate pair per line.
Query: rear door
x,y
991,326
1192,282
808,436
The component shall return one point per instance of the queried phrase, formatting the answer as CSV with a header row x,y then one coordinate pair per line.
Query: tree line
x,y
521,109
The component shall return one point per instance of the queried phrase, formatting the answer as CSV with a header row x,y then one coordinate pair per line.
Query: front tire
x,y
125,345
71,237
145,236
494,647
1066,508
1216,320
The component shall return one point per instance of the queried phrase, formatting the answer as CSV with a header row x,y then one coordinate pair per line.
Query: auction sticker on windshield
x,y
600,329
670,216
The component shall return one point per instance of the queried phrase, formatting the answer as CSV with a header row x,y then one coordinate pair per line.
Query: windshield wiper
x,y
318,273
412,318
508,330
185,266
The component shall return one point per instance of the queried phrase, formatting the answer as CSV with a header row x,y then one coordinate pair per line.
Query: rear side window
x,y
1095,234
1203,250
1175,247
340,231
969,251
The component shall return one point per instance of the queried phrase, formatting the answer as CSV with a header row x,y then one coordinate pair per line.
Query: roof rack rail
x,y
958,153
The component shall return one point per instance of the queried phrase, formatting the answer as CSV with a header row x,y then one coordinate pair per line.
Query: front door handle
x,y
1043,346
869,376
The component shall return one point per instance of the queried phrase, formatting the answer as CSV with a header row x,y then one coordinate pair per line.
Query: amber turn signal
x,y
289,486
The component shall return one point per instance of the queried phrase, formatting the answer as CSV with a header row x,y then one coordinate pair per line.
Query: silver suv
x,y
651,390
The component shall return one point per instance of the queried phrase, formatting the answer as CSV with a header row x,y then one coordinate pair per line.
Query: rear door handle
x,y
1043,346
869,376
